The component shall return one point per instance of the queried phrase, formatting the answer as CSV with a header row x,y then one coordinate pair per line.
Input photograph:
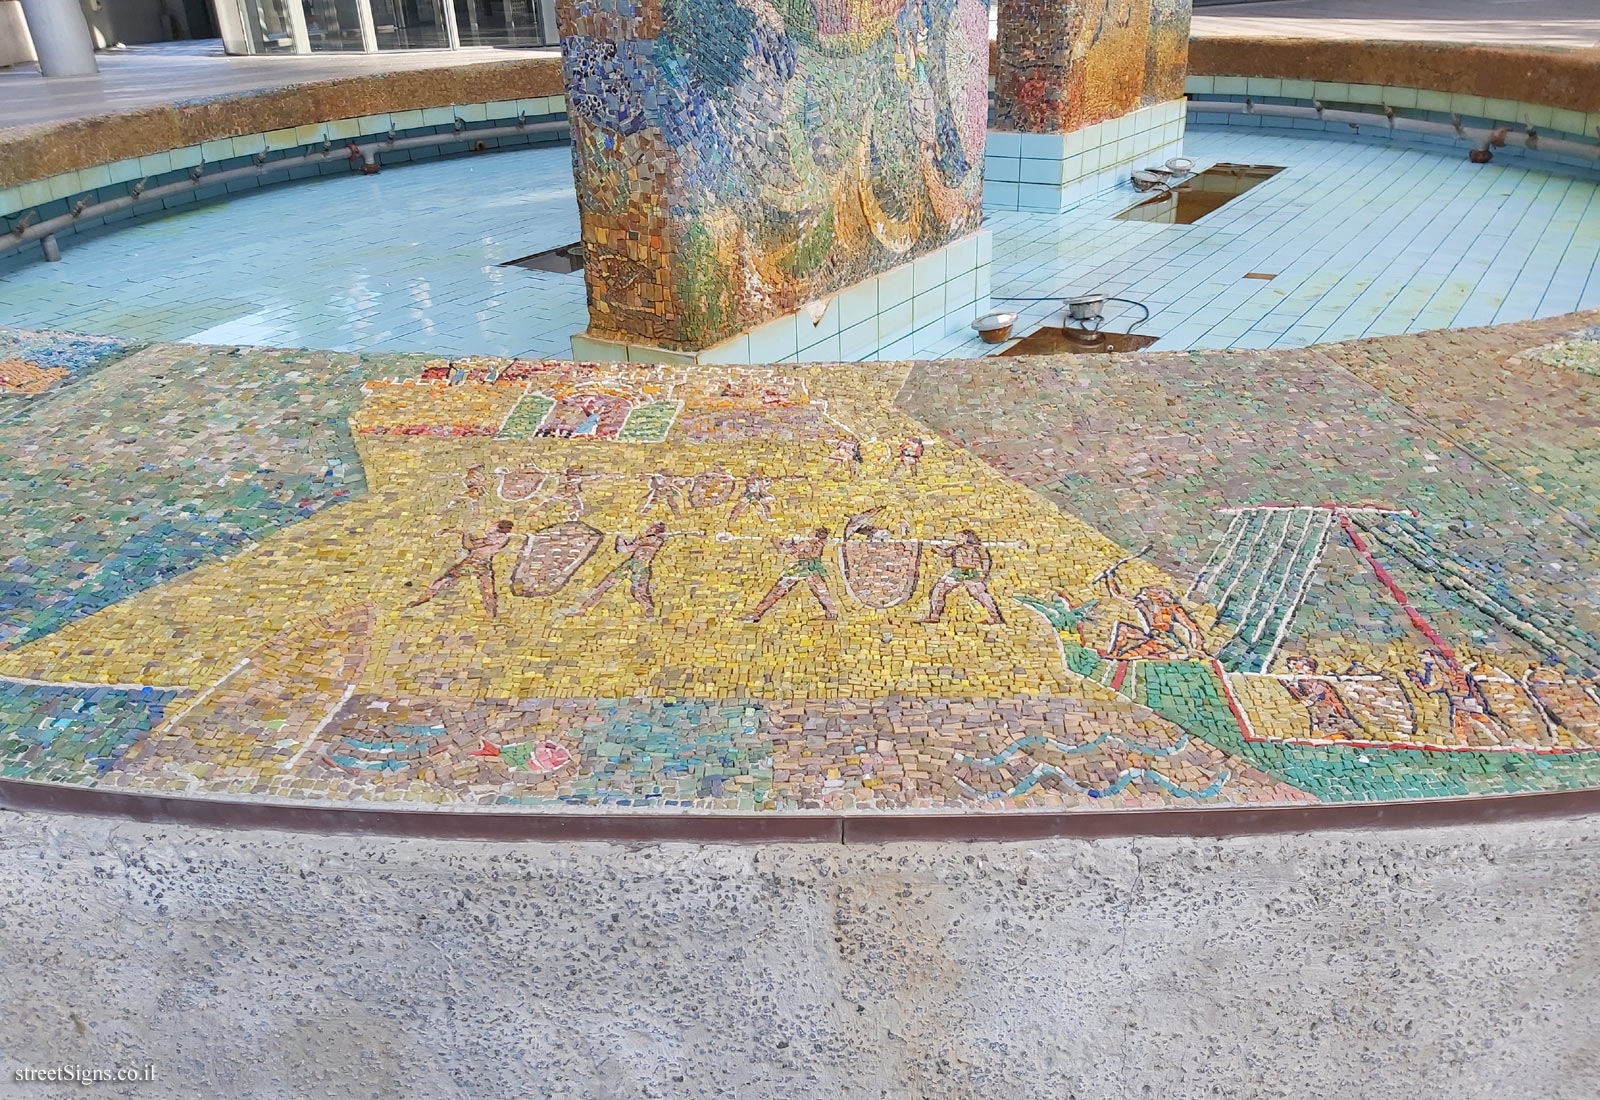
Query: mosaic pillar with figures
x,y
1086,91
760,182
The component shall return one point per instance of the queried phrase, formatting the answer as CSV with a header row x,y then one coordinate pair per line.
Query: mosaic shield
x,y
881,573
711,488
551,555
518,485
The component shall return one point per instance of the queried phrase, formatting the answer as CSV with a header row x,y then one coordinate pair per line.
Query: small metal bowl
x,y
995,328
1180,166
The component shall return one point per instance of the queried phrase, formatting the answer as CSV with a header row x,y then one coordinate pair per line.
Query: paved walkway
x,y
142,76
1513,22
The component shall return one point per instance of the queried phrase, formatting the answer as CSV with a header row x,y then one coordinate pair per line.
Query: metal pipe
x,y
26,231
1530,139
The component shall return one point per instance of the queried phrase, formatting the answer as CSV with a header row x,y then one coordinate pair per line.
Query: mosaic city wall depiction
x,y
737,160
1358,571
1061,67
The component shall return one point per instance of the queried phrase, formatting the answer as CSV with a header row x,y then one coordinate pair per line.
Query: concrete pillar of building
x,y
1086,91
60,37
369,30
299,34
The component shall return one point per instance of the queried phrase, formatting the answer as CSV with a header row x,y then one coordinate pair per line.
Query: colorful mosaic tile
x,y
736,162
35,363
176,457
1211,578
1061,67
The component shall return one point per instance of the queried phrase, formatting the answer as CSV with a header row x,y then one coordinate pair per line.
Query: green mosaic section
x,y
1191,696
649,423
526,416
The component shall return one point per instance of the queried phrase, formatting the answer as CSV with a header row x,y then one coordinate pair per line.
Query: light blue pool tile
x,y
733,350
1428,100
121,171
857,304
91,179
1363,239
895,322
60,186
1000,195
962,256
1002,143
1050,172
1001,169
858,341
774,341
894,286
825,350
1042,146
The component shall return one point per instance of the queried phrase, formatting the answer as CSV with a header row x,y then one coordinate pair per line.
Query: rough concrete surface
x,y
1455,963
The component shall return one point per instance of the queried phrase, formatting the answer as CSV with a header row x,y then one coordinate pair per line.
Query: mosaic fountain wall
x,y
1354,572
1109,71
736,161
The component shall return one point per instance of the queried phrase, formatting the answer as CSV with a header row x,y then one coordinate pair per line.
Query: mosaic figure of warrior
x,y
478,563
664,489
970,566
641,551
847,453
805,567
1470,718
909,458
1330,716
757,494
568,490
474,487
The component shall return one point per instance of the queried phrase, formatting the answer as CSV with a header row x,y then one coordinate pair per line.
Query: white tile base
x,y
902,313
1049,172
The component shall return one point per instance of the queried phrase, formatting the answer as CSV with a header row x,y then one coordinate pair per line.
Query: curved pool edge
x,y
22,796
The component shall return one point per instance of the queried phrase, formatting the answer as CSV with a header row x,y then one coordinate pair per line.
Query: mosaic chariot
x,y
546,585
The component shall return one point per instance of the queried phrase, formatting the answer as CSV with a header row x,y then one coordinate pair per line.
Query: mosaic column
x,y
1086,91
762,182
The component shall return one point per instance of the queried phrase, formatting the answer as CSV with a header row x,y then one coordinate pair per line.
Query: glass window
x,y
332,24
499,23
267,24
410,25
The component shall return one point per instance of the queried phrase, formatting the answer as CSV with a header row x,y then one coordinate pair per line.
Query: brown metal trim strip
x,y
773,828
